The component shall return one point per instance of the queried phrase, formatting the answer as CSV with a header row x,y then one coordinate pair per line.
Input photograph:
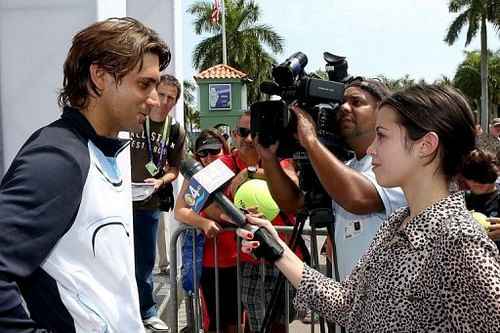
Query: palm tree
x,y
444,80
475,13
468,77
191,115
246,41
397,84
494,81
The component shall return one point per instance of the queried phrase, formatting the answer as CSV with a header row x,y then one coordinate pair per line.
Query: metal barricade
x,y
173,275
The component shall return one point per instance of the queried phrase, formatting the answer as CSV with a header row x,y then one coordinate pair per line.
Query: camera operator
x,y
360,205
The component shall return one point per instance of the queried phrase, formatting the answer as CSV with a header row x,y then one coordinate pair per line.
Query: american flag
x,y
215,13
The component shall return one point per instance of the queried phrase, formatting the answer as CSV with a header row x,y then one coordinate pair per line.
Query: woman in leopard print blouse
x,y
431,267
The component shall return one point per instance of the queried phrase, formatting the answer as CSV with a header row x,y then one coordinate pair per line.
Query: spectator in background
x,y
156,153
209,146
169,96
282,181
480,173
495,128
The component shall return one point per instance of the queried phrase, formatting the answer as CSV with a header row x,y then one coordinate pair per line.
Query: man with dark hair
x,y
156,153
360,205
66,256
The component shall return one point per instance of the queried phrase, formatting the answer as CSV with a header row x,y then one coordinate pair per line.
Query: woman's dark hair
x,y
116,44
441,109
211,133
482,163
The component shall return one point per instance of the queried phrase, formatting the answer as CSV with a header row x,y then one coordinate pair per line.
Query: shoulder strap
x,y
174,132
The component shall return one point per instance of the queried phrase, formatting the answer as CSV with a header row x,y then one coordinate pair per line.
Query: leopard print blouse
x,y
440,273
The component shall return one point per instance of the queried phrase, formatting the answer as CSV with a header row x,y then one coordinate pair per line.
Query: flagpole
x,y
224,49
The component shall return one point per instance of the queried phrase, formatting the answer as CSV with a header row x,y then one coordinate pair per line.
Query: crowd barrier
x,y
194,317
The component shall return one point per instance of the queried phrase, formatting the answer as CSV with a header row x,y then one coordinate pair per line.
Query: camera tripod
x,y
319,216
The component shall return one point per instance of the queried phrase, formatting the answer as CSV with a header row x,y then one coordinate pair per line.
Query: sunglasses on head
x,y
243,132
367,84
206,152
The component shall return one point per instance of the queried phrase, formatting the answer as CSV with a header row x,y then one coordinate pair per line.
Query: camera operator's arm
x,y
282,181
349,188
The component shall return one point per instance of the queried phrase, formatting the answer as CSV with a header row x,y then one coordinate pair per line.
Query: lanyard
x,y
164,139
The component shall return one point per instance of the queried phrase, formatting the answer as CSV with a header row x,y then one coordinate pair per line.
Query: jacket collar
x,y
110,147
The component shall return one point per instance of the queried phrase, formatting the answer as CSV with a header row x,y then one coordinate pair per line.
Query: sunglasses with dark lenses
x,y
243,132
205,152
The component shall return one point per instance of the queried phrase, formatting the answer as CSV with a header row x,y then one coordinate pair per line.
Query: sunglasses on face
x,y
205,152
243,132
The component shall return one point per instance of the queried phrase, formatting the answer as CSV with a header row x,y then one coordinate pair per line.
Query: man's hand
x,y
494,229
266,154
242,177
158,183
306,128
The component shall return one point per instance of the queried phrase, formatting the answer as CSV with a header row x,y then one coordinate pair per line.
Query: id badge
x,y
353,229
152,168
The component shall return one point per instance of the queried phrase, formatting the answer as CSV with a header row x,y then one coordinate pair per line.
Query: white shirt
x,y
354,233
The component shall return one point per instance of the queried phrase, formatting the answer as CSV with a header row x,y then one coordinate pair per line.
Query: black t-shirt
x,y
488,204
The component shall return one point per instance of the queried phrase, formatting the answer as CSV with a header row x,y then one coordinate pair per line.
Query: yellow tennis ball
x,y
481,219
255,193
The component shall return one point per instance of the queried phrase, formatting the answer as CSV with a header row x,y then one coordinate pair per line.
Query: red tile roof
x,y
220,72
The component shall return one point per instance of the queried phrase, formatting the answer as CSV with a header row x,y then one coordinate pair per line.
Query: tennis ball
x,y
481,219
255,193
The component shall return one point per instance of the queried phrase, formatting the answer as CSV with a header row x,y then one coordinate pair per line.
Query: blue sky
x,y
390,37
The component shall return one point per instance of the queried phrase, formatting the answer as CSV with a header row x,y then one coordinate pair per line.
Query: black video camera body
x,y
273,121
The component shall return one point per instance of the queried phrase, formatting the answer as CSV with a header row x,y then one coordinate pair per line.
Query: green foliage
x,y
398,84
468,76
191,114
474,13
246,41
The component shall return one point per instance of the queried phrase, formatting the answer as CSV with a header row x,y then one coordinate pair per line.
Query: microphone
x,y
269,248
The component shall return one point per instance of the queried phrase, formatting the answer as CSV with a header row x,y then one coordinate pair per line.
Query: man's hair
x,y
440,109
482,163
244,113
374,86
117,45
171,80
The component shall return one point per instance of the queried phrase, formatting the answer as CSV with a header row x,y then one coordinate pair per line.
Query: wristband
x,y
251,170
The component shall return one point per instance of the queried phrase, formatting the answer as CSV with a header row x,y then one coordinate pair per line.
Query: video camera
x,y
273,121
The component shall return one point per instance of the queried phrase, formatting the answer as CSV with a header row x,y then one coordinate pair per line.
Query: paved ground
x,y
162,292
